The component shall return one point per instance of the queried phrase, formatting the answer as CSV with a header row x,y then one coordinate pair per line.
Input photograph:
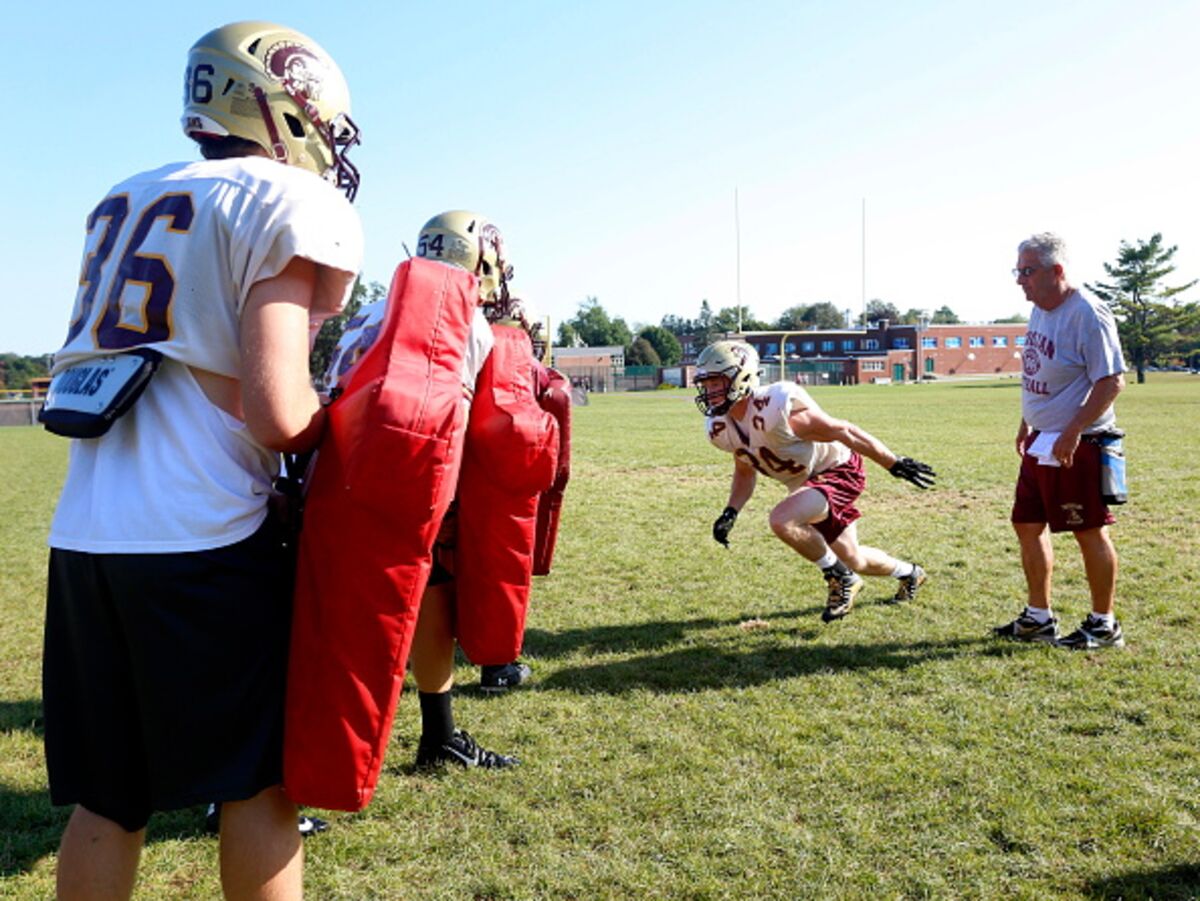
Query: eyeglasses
x,y
1026,271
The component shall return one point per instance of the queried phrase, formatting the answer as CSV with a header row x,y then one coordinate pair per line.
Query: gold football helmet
x,y
737,362
276,87
468,240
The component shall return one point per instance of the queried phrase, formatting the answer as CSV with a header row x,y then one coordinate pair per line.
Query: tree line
x,y
1157,327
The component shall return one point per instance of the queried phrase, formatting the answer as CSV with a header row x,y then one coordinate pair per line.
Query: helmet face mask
x,y
276,87
469,241
736,364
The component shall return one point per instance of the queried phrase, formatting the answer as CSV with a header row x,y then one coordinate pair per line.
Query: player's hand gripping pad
x,y
385,474
510,456
555,400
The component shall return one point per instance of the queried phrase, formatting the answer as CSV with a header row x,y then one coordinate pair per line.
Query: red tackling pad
x,y
385,473
510,458
556,400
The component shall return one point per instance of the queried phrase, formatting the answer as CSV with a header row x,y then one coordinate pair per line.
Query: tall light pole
x,y
864,262
737,229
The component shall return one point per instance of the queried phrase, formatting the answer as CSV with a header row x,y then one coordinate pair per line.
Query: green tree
x,y
877,310
665,344
945,316
1014,318
727,320
913,317
567,336
594,327
16,371
331,330
642,353
1148,317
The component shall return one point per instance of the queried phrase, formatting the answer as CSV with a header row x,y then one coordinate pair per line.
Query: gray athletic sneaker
x,y
1026,628
909,585
842,592
1092,635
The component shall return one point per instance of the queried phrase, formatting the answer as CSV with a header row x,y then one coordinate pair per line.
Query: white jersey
x,y
1067,350
763,437
363,329
169,260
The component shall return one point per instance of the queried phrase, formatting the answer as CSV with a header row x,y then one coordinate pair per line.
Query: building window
x,y
975,341
900,344
953,342
848,344
1020,342
872,365
928,343
827,345
870,344
789,347
999,340
808,346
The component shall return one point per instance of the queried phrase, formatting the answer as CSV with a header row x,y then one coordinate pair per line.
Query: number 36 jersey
x,y
764,439
170,257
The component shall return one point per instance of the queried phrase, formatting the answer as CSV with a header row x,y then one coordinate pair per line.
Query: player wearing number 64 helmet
x,y
779,431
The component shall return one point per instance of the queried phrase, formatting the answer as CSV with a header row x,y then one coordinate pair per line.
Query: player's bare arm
x,y
813,424
1103,393
282,410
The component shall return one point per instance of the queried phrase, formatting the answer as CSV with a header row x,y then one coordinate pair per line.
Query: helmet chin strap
x,y
278,148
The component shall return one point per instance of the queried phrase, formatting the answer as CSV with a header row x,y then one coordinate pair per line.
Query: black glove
x,y
724,525
920,474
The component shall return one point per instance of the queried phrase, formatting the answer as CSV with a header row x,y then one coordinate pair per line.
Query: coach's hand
x,y
724,525
920,474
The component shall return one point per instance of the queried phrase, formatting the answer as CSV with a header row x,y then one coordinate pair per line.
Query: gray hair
x,y
1049,247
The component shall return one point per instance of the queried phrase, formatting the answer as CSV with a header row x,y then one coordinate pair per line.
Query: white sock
x,y
828,560
903,570
1107,619
1037,614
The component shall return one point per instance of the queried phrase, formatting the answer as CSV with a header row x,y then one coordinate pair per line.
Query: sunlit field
x,y
694,731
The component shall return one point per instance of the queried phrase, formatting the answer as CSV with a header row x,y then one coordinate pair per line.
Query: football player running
x,y
169,598
779,431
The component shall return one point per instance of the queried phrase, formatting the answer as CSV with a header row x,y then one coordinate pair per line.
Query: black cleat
x,y
465,751
502,678
842,592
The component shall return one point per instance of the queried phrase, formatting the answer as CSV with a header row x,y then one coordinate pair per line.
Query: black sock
x,y
437,719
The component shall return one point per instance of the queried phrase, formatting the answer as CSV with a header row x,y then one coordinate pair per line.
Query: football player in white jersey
x,y
169,595
779,431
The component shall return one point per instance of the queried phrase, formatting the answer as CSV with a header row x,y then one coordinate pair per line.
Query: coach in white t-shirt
x,y
1072,374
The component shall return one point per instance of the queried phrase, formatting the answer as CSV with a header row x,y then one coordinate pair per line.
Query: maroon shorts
x,y
1068,499
841,486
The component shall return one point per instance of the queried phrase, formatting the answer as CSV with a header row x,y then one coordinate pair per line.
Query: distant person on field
x,y
1073,373
779,431
169,599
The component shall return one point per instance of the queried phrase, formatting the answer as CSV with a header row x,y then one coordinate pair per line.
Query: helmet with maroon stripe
x,y
277,88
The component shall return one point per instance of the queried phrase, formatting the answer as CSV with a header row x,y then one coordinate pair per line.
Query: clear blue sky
x,y
607,140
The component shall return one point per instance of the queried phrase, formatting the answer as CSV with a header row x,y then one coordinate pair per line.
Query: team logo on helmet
x,y
297,67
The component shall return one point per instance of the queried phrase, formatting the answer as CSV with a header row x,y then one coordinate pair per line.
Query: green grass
x,y
694,731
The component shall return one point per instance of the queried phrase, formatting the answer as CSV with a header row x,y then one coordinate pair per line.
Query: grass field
x,y
695,732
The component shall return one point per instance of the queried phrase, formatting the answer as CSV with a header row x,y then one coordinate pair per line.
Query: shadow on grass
x,y
1169,884
700,668
33,827
21,716
654,634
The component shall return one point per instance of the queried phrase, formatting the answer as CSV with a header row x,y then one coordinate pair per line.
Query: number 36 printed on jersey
x,y
138,286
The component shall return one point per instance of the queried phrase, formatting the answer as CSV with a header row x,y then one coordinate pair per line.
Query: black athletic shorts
x,y
163,676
